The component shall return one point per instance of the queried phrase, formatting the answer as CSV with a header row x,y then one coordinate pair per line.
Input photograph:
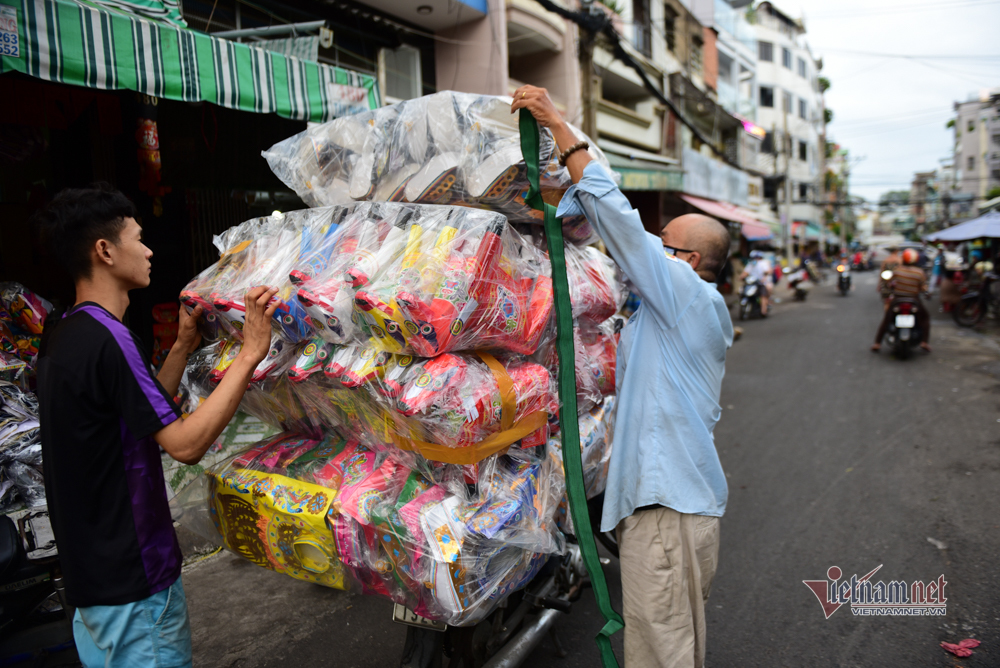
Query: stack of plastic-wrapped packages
x,y
22,315
412,366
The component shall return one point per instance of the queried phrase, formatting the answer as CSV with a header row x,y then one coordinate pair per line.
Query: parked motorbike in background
x,y
750,298
35,620
976,304
843,278
902,333
798,281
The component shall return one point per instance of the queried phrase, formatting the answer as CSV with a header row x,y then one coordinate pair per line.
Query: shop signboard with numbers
x,y
10,44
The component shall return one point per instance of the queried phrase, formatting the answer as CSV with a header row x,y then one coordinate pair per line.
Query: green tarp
x,y
83,45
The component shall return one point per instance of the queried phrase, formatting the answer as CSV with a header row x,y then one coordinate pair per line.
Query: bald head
x,y
705,236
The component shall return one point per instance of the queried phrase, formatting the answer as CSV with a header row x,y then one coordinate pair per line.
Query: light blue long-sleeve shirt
x,y
671,360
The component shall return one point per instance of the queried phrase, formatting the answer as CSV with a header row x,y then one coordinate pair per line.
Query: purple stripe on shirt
x,y
154,528
123,337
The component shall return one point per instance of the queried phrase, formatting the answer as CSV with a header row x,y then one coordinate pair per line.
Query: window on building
x,y
804,192
786,58
972,126
786,102
641,23
766,96
972,162
696,57
765,52
803,109
726,68
803,151
399,70
767,145
670,27
802,68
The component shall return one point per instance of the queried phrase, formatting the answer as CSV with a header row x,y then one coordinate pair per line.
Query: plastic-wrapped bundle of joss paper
x,y
446,148
447,541
411,365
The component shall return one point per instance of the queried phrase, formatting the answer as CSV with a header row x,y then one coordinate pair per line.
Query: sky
x,y
890,111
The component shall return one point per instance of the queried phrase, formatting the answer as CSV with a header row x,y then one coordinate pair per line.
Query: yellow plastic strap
x,y
508,400
479,451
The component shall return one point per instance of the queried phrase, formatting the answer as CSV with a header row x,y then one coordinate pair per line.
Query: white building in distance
x,y
790,108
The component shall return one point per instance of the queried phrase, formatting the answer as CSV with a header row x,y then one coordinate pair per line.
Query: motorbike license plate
x,y
403,615
906,321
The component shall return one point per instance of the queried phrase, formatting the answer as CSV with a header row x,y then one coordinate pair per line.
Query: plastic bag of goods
x,y
445,148
449,542
456,407
21,481
22,316
260,251
596,436
462,281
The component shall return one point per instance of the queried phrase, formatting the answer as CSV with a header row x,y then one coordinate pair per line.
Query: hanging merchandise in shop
x,y
97,47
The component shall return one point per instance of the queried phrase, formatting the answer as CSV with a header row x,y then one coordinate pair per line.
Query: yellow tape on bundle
x,y
478,451
237,248
510,431
508,400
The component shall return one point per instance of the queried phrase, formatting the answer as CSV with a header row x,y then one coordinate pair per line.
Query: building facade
x,y
977,146
790,109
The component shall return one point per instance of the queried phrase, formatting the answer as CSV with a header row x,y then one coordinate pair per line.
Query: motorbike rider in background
x,y
907,281
760,268
888,264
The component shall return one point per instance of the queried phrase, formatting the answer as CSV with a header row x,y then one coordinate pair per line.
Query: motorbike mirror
x,y
886,275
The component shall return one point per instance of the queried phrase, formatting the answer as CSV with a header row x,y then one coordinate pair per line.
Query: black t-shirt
x,y
99,405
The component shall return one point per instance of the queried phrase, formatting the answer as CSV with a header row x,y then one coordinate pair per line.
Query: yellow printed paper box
x,y
278,523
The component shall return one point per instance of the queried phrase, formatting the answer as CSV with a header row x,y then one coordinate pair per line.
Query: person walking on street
x,y
907,281
666,489
103,416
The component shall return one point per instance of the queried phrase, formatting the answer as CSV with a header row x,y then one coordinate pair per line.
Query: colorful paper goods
x,y
411,365
418,534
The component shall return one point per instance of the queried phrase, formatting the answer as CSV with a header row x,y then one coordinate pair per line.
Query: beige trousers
x,y
668,561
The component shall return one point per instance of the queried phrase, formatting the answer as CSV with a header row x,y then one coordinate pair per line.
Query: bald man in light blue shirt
x,y
666,489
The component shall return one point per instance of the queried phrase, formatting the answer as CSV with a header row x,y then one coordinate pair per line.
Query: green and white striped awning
x,y
80,44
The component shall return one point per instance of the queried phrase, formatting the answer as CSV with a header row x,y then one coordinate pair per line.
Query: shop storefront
x,y
174,118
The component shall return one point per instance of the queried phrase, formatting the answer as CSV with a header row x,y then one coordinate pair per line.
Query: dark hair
x,y
76,219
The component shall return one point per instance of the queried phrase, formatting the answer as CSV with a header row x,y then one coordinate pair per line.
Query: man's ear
x,y
694,259
102,248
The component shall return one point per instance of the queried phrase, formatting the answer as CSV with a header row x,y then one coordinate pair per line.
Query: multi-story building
x,y
977,145
790,109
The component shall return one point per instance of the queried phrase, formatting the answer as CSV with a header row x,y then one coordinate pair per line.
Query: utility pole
x,y
786,148
587,88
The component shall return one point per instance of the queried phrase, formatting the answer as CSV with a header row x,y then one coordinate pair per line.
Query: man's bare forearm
x,y
172,370
187,440
578,160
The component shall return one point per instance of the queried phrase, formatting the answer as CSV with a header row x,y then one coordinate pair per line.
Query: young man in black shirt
x,y
103,413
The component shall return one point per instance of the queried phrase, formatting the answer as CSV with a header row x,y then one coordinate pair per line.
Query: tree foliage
x,y
824,84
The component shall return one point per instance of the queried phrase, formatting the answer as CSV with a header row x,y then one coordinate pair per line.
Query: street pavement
x,y
835,457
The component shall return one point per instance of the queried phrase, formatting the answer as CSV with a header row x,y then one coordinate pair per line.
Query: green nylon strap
x,y
570,427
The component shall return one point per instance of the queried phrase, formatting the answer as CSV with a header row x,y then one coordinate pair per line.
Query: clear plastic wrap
x,y
464,282
596,350
597,429
455,407
596,285
449,542
22,316
413,279
21,480
446,148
